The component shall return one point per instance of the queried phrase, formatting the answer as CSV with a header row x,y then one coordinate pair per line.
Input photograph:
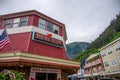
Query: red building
x,y
37,46
94,67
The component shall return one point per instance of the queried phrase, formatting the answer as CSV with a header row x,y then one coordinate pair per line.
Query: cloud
x,y
84,19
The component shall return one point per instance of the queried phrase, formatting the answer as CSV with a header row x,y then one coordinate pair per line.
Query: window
x,y
99,68
16,22
113,62
103,54
8,23
106,64
119,59
94,70
117,47
49,26
23,21
42,24
110,51
56,29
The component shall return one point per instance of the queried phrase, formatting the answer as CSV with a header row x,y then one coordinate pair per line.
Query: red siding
x,y
30,20
18,42
23,42
46,50
60,31
2,24
35,21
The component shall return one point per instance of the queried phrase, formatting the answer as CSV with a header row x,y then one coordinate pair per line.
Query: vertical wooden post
x,y
46,76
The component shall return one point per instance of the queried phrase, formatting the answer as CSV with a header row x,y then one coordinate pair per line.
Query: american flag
x,y
4,39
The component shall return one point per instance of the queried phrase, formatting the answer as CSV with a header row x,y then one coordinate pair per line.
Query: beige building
x,y
111,59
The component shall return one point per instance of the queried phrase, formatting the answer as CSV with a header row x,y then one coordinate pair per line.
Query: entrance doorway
x,y
52,76
46,76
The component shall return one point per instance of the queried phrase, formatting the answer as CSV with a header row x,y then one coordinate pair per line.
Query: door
x,y
40,76
52,76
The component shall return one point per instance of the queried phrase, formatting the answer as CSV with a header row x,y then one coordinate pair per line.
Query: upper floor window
x,y
23,21
113,62
8,23
49,26
110,50
16,22
117,47
103,54
106,64
119,59
42,23
56,29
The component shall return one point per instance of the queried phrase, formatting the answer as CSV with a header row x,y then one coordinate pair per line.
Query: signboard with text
x,y
45,70
46,39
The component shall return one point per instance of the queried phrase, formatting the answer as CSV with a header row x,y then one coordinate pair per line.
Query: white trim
x,y
27,56
119,59
108,63
26,29
111,62
110,44
112,72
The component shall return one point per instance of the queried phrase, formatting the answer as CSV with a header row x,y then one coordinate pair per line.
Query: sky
x,y
84,19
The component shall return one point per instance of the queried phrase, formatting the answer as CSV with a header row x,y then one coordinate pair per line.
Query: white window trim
x,y
103,54
16,21
40,23
108,63
26,20
116,47
119,59
49,26
115,61
54,28
110,51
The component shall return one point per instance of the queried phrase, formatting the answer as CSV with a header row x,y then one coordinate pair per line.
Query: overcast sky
x,y
84,19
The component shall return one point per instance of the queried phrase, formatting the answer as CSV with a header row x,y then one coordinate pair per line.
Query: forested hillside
x,y
75,48
107,36
111,33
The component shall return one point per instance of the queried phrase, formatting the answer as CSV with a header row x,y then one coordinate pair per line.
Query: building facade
x,y
93,67
37,46
111,59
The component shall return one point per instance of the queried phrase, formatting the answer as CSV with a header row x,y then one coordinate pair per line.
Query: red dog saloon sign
x,y
46,39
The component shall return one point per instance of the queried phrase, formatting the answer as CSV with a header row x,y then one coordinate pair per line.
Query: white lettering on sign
x,y
46,39
45,70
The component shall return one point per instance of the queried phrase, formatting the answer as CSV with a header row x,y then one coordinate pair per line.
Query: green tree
x,y
2,76
18,76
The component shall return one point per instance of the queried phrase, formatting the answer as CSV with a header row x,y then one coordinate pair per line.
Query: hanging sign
x,y
45,70
46,39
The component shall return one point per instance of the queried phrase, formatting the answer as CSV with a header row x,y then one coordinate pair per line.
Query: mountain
x,y
113,30
75,48
111,33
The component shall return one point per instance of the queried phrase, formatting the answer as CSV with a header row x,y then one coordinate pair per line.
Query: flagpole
x,y
8,38
7,34
4,39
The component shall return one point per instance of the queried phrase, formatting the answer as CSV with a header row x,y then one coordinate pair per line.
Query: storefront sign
x,y
44,70
46,39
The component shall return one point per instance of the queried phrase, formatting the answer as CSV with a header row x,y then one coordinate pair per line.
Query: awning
x,y
20,58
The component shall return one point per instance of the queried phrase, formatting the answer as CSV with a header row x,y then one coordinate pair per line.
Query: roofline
x,y
29,12
109,44
22,13
94,55
33,57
